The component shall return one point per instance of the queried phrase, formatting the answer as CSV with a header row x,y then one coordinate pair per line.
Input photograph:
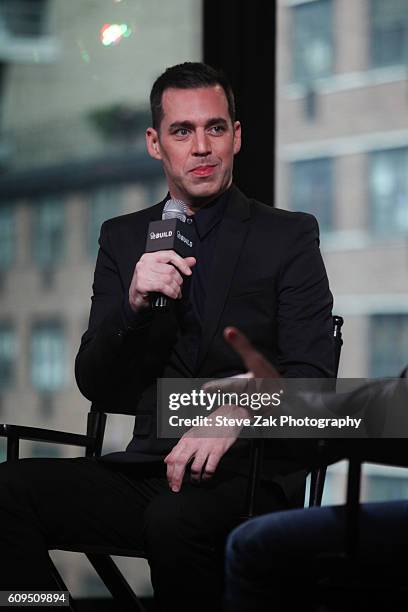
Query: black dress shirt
x,y
190,310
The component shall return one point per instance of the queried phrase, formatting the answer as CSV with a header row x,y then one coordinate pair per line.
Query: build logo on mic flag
x,y
170,234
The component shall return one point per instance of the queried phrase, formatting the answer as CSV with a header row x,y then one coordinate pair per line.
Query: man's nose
x,y
201,143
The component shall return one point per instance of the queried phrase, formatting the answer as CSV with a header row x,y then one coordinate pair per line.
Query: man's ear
x,y
153,143
237,137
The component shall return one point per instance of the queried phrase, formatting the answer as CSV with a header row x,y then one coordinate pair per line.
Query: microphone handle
x,y
159,301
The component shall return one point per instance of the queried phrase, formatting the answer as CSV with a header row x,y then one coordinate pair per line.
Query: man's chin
x,y
206,190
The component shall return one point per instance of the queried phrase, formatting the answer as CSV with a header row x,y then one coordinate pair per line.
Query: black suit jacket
x,y
268,280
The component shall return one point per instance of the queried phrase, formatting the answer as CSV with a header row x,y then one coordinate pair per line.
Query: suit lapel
x,y
231,236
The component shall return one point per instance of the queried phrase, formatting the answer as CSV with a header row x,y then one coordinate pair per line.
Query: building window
x,y
3,449
105,204
48,232
388,172
48,357
312,189
388,344
389,32
387,487
25,18
7,236
45,450
8,355
313,40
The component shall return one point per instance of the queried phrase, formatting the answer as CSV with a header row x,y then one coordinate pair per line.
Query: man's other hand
x,y
205,452
158,272
255,363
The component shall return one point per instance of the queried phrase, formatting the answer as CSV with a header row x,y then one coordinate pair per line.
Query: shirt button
x,y
189,221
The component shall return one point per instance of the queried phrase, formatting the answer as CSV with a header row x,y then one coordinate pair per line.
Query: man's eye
x,y
181,132
217,129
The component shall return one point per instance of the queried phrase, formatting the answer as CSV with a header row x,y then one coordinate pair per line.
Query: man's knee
x,y
21,471
255,545
162,519
16,483
177,520
13,473
24,480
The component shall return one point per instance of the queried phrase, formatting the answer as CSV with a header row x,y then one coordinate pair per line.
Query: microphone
x,y
171,233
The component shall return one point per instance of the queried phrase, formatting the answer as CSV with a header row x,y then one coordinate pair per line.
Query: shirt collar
x,y
210,215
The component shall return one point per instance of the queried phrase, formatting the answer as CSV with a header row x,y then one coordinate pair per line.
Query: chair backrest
x,y
318,475
338,341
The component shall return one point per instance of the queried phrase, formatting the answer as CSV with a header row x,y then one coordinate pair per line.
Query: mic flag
x,y
171,233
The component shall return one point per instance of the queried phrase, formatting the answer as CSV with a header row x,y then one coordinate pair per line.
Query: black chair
x,y
348,577
317,474
343,571
391,452
99,556
92,441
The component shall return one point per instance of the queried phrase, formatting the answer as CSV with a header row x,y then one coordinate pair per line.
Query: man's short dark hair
x,y
189,75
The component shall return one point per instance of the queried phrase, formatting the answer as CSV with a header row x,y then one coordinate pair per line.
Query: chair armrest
x,y
21,432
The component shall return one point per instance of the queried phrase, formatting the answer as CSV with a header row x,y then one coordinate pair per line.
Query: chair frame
x,y
100,558
92,442
318,474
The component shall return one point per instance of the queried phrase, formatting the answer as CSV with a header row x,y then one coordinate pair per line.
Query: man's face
x,y
196,143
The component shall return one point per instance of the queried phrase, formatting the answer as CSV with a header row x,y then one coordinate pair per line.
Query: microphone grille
x,y
174,209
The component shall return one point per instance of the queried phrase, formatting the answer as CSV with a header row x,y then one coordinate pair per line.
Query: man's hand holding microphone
x,y
158,275
159,272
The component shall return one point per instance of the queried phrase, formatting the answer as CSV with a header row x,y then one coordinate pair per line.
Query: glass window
x,y
312,189
105,204
8,349
48,232
389,190
386,487
48,356
389,344
389,32
7,236
45,450
313,40
23,17
3,449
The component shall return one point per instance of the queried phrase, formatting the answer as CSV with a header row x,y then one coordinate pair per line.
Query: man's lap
x,y
85,501
304,532
77,500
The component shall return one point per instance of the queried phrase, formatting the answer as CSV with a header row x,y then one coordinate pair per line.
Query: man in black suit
x,y
255,267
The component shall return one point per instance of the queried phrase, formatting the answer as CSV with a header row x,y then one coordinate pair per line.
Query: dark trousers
x,y
82,501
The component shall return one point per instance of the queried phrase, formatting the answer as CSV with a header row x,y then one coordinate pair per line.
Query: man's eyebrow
x,y
181,124
176,125
216,121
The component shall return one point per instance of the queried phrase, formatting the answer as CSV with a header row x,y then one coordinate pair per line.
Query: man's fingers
x,y
196,467
252,359
190,261
160,272
166,279
184,265
211,465
232,384
176,462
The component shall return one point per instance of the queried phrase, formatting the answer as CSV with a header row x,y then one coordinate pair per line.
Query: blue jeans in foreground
x,y
282,561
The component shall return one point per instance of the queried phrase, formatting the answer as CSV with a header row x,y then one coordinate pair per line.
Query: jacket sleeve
x,y
305,327
114,345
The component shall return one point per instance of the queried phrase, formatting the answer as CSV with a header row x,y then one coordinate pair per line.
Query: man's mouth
x,y
203,170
